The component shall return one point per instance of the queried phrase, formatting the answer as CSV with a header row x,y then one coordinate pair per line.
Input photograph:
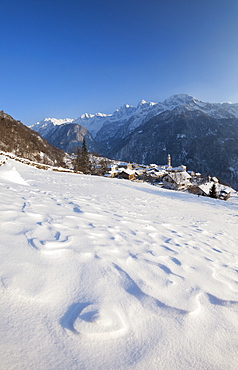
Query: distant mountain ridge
x,y
181,125
144,110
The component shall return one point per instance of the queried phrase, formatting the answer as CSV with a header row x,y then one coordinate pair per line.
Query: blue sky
x,y
62,58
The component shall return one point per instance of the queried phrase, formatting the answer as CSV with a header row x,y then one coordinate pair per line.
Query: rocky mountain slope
x,y
193,138
203,136
23,142
66,135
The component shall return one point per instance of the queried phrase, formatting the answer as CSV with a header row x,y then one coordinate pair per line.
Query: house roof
x,y
178,169
179,177
156,173
206,187
127,171
219,187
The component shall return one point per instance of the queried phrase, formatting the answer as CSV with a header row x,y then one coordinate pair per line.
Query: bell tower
x,y
169,160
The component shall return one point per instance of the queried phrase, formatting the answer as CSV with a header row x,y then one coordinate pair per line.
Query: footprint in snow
x,y
99,321
54,244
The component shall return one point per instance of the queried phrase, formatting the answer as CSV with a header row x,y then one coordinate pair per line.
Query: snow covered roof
x,y
156,173
179,168
128,171
179,177
206,187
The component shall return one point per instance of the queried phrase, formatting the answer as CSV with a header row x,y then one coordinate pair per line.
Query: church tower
x,y
169,160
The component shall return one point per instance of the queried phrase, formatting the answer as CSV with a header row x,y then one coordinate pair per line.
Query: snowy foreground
x,y
101,273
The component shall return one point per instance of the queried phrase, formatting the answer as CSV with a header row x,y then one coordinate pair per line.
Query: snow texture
x,y
99,273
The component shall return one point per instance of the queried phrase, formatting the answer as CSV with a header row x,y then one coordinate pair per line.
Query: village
x,y
169,177
166,176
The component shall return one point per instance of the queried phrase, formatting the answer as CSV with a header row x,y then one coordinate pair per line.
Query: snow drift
x,y
103,273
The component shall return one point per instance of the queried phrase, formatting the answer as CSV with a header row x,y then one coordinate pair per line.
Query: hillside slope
x,y
101,273
23,142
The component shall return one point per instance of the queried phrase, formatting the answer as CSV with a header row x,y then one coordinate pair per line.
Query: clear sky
x,y
62,58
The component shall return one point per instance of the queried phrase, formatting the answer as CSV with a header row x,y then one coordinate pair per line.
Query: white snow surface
x,y
9,173
99,273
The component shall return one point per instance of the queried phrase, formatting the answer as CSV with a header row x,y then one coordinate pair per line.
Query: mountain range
x,y
201,135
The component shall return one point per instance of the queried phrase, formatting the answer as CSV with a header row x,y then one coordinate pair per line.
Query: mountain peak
x,y
56,121
126,109
179,99
142,102
86,116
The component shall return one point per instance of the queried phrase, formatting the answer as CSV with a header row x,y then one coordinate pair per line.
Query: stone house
x,y
177,180
127,174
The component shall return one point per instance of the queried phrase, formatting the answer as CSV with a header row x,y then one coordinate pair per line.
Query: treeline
x,y
88,164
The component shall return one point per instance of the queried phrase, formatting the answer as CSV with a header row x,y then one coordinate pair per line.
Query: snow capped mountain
x,y
138,134
54,121
47,125
92,122
179,99
135,116
215,110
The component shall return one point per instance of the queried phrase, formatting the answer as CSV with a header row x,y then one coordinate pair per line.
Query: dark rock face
x,y
69,137
193,138
23,142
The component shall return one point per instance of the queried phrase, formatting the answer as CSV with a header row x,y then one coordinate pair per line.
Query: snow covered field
x,y
100,273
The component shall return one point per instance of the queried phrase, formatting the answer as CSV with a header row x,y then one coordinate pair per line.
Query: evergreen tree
x,y
213,191
77,161
82,162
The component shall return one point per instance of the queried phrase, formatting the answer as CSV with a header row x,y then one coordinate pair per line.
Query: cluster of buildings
x,y
174,178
